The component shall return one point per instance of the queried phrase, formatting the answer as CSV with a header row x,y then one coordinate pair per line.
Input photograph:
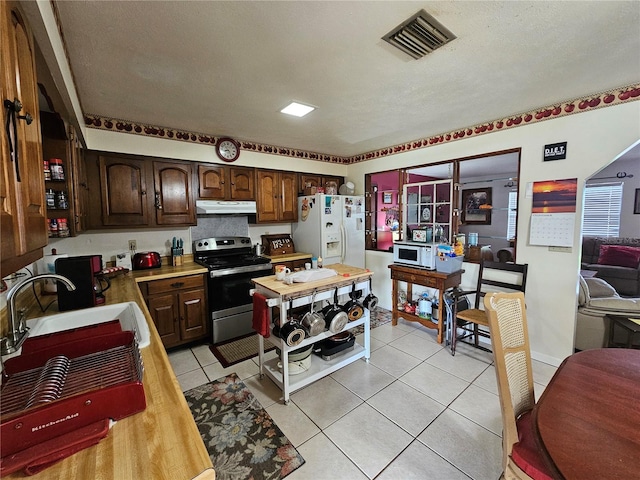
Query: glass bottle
x,y
51,198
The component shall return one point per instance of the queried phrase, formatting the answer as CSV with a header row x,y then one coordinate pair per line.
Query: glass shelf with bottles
x,y
428,211
56,199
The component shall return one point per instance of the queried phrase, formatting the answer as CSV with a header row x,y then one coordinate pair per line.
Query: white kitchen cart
x,y
279,294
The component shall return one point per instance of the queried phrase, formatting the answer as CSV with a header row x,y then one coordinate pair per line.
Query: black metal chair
x,y
492,277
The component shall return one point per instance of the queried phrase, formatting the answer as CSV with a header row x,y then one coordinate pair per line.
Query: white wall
x,y
161,147
629,222
594,139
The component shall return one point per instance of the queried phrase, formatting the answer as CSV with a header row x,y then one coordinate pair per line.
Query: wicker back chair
x,y
507,319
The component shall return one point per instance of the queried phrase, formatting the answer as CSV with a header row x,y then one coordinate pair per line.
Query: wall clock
x,y
419,235
228,149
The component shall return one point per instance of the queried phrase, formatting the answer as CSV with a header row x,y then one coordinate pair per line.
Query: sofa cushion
x,y
615,305
619,255
590,249
598,288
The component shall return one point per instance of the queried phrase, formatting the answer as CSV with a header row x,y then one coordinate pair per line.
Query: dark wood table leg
x,y
394,302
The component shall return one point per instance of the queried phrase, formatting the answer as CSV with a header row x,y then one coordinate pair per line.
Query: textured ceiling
x,y
227,68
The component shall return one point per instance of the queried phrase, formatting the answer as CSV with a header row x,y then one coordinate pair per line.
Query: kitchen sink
x,y
128,313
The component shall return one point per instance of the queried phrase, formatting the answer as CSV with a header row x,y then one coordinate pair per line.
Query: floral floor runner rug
x,y
241,438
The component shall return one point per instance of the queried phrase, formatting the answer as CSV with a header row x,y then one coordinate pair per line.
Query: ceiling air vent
x,y
419,35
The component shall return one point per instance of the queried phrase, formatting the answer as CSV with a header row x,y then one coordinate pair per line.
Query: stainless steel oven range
x,y
232,264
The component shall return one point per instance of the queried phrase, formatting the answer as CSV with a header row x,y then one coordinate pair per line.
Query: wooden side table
x,y
630,327
426,278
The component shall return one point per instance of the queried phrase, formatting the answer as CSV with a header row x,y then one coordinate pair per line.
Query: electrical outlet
x,y
132,245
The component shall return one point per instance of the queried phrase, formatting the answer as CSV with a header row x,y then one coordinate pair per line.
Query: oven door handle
x,y
234,270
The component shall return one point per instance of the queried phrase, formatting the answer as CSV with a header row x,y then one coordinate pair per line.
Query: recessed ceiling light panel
x,y
297,109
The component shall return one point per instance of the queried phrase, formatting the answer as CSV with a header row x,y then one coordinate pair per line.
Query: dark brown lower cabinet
x,y
178,307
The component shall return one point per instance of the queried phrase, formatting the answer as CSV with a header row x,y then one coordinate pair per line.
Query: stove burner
x,y
232,261
226,253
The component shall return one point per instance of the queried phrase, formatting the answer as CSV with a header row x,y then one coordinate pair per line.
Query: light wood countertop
x,y
346,276
163,441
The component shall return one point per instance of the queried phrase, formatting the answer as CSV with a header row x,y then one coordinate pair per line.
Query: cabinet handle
x,y
158,204
177,284
12,136
27,118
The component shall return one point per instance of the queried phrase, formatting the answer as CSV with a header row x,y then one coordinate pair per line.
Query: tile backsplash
x,y
220,226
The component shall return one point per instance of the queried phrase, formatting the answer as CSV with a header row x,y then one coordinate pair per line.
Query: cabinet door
x,y
288,197
307,180
193,314
267,198
242,180
337,180
173,197
124,191
212,182
164,311
80,195
24,225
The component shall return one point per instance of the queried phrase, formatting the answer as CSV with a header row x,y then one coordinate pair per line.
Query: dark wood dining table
x,y
587,421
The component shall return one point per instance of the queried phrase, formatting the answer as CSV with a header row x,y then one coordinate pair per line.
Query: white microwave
x,y
416,254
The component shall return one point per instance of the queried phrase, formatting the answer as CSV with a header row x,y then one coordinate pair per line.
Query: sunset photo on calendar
x,y
555,196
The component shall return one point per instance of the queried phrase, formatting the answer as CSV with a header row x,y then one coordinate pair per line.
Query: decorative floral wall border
x,y
584,104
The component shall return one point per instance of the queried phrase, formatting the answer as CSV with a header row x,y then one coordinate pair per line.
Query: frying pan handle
x,y
313,299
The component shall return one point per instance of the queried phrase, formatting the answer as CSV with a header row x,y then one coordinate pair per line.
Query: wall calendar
x,y
553,213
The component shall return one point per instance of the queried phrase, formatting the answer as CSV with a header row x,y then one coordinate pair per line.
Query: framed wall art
x,y
636,203
387,197
476,206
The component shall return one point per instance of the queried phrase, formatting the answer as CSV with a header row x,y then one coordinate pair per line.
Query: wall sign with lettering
x,y
555,151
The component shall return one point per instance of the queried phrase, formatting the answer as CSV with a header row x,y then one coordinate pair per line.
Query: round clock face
x,y
228,149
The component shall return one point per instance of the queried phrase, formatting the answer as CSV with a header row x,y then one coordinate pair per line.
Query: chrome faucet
x,y
19,331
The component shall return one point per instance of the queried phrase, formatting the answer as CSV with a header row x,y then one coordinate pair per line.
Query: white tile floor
x,y
412,412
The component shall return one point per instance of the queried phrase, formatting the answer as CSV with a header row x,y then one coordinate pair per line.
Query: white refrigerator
x,y
331,227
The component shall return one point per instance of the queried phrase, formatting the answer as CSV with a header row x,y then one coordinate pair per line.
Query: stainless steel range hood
x,y
224,207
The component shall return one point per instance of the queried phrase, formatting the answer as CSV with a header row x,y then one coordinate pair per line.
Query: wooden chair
x,y
493,276
507,320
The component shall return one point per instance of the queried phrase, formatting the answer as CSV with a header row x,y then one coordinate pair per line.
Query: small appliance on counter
x,y
416,254
86,274
145,260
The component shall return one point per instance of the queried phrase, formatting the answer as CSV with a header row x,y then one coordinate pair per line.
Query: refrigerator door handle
x,y
343,249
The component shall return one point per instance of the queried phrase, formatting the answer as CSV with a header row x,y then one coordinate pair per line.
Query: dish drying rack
x,y
61,397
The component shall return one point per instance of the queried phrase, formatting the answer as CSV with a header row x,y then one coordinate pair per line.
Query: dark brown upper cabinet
x,y
276,200
139,191
223,182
